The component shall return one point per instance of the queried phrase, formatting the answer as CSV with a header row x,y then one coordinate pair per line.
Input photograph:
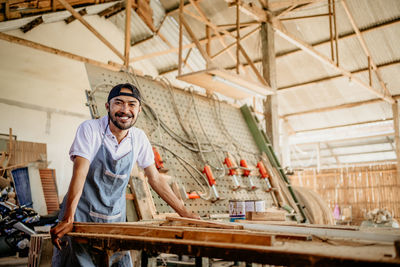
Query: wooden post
x,y
128,9
180,38
395,110
286,156
269,74
237,35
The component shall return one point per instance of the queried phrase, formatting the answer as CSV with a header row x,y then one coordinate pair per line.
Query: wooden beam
x,y
128,10
196,41
238,36
55,51
332,108
296,85
305,17
244,37
390,23
180,37
325,60
341,125
364,47
348,138
396,126
90,28
34,23
335,156
71,18
203,18
288,3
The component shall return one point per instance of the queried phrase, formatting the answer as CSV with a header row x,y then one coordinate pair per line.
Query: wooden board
x,y
276,215
48,179
203,223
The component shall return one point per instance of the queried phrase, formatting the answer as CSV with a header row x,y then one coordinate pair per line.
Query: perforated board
x,y
158,96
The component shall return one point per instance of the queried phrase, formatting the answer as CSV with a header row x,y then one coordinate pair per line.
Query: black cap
x,y
116,91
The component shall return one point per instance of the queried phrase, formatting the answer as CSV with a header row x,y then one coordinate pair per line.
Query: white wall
x,y
34,77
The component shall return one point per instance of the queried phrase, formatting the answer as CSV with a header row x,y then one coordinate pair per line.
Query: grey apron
x,y
102,201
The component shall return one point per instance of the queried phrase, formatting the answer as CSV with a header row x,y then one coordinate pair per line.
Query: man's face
x,y
123,110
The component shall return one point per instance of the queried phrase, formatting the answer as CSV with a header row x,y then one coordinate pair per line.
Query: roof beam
x,y
328,78
342,106
342,125
55,51
279,30
335,156
348,138
90,28
364,46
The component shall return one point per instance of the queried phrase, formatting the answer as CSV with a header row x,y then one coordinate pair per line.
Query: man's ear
x,y
140,109
107,107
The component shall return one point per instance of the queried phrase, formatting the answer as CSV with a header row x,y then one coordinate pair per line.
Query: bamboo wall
x,y
363,188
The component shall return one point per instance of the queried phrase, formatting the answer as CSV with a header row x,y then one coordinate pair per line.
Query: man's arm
x,y
80,170
162,188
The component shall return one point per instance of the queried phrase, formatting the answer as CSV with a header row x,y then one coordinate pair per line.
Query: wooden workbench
x,y
230,243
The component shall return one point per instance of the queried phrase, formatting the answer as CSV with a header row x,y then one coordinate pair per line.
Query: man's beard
x,y
117,124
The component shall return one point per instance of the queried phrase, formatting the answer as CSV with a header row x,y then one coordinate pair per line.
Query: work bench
x,y
234,242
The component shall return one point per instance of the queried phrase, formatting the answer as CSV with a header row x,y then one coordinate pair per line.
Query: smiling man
x,y
104,152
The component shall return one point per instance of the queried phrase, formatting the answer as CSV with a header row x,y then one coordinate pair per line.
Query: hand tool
x,y
232,172
246,173
158,161
211,181
264,175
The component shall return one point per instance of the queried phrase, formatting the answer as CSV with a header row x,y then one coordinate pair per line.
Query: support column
x,y
269,74
395,110
286,153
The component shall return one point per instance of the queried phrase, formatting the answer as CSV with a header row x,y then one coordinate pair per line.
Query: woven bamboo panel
x,y
24,152
159,97
363,188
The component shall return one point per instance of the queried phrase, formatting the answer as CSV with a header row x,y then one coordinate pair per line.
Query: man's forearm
x,y
81,168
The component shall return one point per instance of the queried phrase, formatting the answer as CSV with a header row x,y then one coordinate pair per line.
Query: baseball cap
x,y
116,91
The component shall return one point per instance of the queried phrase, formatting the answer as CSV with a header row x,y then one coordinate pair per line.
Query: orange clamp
x,y
262,170
230,165
243,164
210,176
158,160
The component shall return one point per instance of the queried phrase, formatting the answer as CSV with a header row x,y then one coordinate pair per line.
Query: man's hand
x,y
62,228
190,215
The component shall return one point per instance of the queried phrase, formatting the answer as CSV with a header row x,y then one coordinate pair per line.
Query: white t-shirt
x,y
89,136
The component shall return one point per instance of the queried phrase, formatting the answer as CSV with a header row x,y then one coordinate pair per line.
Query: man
x,y
103,153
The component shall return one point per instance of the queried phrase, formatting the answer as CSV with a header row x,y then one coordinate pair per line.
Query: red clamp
x,y
158,160
210,176
230,165
262,170
243,164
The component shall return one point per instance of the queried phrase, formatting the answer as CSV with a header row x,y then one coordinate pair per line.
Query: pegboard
x,y
158,96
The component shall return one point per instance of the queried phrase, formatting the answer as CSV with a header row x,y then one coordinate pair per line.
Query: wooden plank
x,y
90,28
396,125
276,215
187,233
142,196
276,255
55,51
204,223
